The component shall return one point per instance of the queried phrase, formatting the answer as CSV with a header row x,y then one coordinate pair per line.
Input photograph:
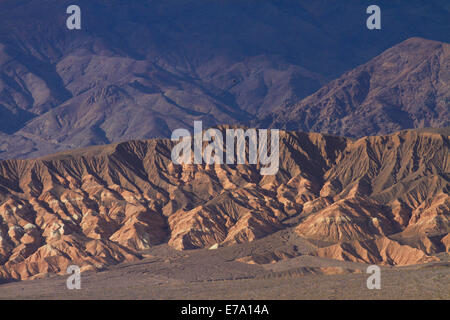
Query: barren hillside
x,y
382,199
407,86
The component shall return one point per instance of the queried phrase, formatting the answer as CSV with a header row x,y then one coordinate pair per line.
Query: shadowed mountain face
x,y
139,69
382,200
405,87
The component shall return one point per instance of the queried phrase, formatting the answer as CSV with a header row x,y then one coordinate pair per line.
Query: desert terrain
x,y
88,178
335,206
203,274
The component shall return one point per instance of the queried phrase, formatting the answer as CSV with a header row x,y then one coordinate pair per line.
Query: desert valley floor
x,y
165,273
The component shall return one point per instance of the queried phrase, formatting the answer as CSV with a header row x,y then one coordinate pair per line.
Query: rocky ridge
x,y
381,199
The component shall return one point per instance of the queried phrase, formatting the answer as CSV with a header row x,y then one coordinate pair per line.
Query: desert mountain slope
x,y
378,200
407,86
139,69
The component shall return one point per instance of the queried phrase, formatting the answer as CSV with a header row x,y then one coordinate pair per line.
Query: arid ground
x,y
214,274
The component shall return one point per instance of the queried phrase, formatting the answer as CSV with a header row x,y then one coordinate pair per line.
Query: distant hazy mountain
x,y
139,69
408,86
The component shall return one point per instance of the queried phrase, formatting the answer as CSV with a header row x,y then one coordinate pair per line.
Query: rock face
x,y
382,199
149,67
405,87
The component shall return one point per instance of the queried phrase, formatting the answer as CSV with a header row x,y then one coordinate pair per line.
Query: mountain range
x,y
140,69
405,87
86,175
379,200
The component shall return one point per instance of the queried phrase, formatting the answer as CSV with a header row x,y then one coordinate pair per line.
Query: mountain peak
x,y
404,87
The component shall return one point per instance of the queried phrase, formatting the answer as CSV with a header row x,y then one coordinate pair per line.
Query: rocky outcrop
x,y
348,219
381,251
